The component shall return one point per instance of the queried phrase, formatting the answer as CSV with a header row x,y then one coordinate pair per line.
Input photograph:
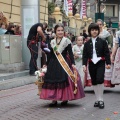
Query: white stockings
x,y
98,89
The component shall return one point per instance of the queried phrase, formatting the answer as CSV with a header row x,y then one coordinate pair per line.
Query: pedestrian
x,y
115,58
85,34
32,43
77,52
58,84
97,53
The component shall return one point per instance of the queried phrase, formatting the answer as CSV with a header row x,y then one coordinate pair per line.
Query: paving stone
x,y
22,103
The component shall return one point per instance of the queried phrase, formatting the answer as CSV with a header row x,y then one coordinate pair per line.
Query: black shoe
x,y
53,104
96,104
101,104
64,103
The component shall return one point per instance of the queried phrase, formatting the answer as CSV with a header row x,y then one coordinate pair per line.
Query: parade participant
x,y
32,43
78,51
105,35
59,81
115,58
97,53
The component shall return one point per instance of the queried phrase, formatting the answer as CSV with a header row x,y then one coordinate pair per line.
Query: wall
x,y
5,6
44,11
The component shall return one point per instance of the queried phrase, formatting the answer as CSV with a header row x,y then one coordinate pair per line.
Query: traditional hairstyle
x,y
58,25
99,20
93,26
79,37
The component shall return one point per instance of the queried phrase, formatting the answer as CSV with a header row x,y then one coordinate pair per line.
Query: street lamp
x,y
99,15
99,3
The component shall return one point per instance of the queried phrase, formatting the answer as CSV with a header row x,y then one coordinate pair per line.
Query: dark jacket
x,y
11,32
101,50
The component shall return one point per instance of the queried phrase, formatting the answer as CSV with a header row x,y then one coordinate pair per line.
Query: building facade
x,y
12,10
112,10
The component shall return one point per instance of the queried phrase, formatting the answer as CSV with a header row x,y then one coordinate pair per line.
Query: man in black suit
x,y
96,52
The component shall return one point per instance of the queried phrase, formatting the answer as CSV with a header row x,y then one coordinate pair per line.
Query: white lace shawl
x,y
63,44
104,34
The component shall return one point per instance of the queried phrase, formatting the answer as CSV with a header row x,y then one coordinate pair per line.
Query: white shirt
x,y
95,59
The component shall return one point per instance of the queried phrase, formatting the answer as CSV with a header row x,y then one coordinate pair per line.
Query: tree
x,y
51,7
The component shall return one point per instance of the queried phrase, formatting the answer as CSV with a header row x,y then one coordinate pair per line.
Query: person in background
x,y
97,53
81,34
115,59
77,52
3,19
18,30
32,44
114,39
2,29
85,34
10,30
111,39
73,39
66,34
104,34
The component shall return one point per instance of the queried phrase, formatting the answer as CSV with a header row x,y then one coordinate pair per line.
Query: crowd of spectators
x,y
8,27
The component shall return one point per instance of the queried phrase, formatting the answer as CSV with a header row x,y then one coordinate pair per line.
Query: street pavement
x,y
22,103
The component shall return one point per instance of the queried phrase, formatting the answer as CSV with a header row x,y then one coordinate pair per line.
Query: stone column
x,y
72,23
57,15
78,23
29,16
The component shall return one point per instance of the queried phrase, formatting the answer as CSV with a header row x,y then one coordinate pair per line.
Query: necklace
x,y
58,42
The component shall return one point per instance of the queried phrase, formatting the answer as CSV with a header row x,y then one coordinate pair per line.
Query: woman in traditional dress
x,y
78,51
115,58
105,35
59,82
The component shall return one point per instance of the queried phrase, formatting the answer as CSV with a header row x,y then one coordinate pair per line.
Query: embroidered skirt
x,y
64,93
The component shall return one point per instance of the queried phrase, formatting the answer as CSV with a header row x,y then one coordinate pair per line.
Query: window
x,y
110,11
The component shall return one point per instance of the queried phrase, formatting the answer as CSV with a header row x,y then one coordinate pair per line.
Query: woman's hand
x,y
73,66
84,68
112,58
